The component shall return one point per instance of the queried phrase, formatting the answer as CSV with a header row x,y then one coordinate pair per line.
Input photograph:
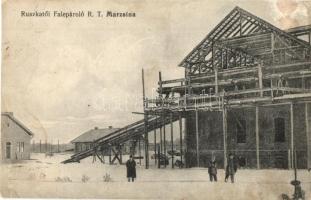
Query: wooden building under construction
x,y
246,91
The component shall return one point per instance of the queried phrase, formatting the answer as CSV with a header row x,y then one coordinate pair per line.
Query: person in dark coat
x,y
231,168
212,170
131,169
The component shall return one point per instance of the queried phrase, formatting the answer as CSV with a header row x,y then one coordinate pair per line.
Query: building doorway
x,y
8,150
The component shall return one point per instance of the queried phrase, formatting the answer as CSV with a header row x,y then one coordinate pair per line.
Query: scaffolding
x,y
243,62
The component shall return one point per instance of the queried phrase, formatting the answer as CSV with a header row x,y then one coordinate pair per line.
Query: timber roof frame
x,y
230,26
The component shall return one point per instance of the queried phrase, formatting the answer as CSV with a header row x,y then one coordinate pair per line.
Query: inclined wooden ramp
x,y
122,135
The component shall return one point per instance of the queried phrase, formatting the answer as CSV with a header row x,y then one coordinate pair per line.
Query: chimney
x,y
95,128
110,127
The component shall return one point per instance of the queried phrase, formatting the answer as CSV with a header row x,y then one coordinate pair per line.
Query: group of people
x,y
231,169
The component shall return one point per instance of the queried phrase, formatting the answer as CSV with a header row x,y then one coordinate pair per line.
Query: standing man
x,y
131,169
212,169
231,168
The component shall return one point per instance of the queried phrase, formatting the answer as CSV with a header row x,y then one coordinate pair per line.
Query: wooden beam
x,y
160,84
224,126
257,138
180,138
216,80
120,151
155,146
161,145
180,80
260,78
292,133
172,140
110,151
139,151
145,124
159,154
197,137
164,140
308,135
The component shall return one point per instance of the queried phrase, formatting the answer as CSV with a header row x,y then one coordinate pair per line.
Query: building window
x,y
8,150
279,129
241,131
22,147
18,147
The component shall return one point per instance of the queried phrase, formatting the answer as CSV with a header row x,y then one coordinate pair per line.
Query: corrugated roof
x,y
93,134
20,124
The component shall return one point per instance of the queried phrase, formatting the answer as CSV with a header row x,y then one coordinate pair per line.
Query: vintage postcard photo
x,y
149,99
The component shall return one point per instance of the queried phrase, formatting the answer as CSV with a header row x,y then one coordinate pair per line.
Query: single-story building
x,y
86,140
15,138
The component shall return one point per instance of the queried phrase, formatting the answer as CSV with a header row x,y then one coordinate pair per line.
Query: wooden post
x,y
159,154
139,151
216,80
197,137
155,146
172,142
120,150
145,124
292,133
260,78
289,159
164,141
186,142
180,138
110,162
272,47
215,69
161,139
160,85
257,137
308,135
224,126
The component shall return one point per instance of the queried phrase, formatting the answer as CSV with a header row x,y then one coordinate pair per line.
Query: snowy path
x,y
42,178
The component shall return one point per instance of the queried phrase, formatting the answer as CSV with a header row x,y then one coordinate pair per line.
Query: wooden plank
x,y
180,80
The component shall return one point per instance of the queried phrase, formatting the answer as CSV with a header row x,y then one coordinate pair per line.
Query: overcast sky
x,y
62,77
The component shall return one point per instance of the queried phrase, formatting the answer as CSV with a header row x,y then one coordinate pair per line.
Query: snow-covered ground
x,y
46,177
